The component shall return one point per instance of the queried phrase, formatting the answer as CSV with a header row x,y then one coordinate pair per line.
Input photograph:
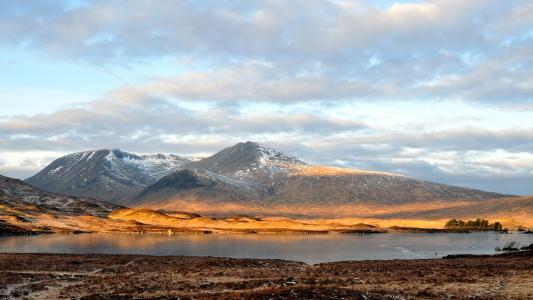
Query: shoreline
x,y
102,276
154,229
251,232
509,254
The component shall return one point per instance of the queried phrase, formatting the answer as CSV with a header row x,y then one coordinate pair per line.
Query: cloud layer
x,y
297,50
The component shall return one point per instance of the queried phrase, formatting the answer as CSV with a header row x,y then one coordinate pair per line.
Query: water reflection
x,y
307,248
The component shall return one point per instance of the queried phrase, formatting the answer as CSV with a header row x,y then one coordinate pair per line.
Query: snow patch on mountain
x,y
154,166
53,171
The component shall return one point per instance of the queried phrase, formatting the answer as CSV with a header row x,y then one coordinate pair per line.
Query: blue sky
x,y
439,90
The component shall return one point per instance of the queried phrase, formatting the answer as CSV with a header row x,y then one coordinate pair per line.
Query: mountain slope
x,y
28,210
345,186
496,209
17,197
111,175
255,179
199,184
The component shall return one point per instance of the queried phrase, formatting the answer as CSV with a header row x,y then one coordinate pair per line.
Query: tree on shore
x,y
477,224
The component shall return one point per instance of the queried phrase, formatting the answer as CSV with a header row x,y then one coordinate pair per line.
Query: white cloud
x,y
297,50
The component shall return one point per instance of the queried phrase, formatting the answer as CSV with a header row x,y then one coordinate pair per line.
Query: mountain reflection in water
x,y
307,248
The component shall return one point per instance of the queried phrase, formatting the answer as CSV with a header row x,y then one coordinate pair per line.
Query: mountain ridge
x,y
273,179
242,176
107,174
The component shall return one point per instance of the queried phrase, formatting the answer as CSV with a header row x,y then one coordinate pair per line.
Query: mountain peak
x,y
246,146
249,159
262,152
250,144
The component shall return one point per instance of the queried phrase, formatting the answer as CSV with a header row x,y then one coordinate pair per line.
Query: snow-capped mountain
x,y
111,175
249,161
243,171
254,177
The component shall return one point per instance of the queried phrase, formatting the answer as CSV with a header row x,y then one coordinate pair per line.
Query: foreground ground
x,y
129,276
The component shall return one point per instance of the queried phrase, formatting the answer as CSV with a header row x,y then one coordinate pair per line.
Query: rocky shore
x,y
132,276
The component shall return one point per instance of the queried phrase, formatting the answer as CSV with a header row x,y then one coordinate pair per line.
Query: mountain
x,y
251,178
111,175
243,172
249,161
23,204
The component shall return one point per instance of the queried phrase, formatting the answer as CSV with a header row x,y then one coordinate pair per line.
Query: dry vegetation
x,y
112,276
333,171
147,220
237,223
511,212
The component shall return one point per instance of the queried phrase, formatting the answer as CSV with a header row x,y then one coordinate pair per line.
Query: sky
x,y
438,90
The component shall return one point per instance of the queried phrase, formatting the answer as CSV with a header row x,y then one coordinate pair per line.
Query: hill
x,y
23,207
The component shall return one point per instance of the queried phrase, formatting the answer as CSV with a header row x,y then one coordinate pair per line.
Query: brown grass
x,y
50,276
511,212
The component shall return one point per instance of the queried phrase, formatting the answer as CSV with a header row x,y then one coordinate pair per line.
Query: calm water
x,y
308,248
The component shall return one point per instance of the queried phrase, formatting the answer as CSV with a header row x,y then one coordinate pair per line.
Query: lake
x,y
307,248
